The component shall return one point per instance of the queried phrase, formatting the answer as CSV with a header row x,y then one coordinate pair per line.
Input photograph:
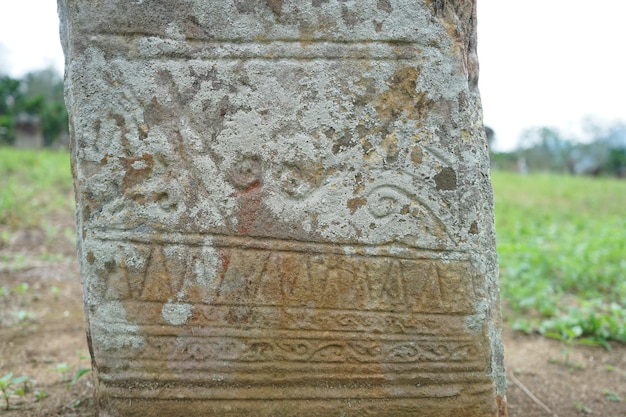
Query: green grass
x,y
562,249
33,184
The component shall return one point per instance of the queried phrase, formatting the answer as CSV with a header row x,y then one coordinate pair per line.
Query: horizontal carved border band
x,y
250,320
310,350
182,276
246,242
149,47
304,393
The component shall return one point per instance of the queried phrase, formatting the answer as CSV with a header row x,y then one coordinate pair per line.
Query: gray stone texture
x,y
283,207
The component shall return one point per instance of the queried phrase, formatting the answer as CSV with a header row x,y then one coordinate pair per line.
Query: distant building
x,y
28,132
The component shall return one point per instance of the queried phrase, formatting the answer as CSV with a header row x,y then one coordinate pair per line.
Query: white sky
x,y
542,62
550,63
29,36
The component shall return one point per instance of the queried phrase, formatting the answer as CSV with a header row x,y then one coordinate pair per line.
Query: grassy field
x,y
33,185
562,249
561,241
36,196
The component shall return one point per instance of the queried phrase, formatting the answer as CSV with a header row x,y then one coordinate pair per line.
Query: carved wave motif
x,y
386,200
314,351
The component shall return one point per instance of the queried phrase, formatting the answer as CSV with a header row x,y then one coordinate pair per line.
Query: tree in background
x,y
9,94
38,93
600,151
607,146
545,149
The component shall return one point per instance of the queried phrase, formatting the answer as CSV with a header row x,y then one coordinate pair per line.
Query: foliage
x,y
612,396
79,374
10,386
599,150
9,90
506,161
561,245
19,300
46,86
546,149
65,370
38,93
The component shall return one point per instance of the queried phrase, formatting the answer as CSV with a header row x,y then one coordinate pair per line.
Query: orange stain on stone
x,y
137,169
249,206
402,96
355,203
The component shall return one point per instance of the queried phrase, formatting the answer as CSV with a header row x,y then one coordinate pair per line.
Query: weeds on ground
x,y
612,396
582,408
35,188
14,386
561,246
67,370
16,302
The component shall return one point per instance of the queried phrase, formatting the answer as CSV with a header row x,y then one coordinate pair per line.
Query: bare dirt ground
x,y
42,336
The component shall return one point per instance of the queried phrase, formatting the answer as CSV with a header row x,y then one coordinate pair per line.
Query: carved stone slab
x,y
284,207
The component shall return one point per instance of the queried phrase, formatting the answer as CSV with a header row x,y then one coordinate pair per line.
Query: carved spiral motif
x,y
246,173
386,200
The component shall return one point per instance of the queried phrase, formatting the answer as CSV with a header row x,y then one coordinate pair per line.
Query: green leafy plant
x,y
582,408
567,335
39,395
22,315
79,373
65,370
18,305
21,288
10,386
612,396
62,368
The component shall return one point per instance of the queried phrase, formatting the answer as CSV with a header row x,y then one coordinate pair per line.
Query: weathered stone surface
x,y
284,207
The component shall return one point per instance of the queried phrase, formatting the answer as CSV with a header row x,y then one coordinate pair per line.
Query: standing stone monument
x,y
284,207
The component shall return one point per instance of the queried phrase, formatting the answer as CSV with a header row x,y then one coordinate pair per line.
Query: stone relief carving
x,y
282,200
178,109
288,279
